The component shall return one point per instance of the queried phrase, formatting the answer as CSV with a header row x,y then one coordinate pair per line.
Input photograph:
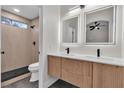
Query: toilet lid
x,y
34,64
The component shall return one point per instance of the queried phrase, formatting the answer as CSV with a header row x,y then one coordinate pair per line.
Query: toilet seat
x,y
34,66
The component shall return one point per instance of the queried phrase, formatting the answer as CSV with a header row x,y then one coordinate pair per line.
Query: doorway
x,y
19,42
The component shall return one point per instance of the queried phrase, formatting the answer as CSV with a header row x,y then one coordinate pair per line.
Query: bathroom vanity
x,y
91,27
87,71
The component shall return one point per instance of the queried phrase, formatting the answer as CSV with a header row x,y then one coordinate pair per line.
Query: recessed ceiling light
x,y
16,10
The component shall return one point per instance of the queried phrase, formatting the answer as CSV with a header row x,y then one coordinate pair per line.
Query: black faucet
x,y
67,50
98,52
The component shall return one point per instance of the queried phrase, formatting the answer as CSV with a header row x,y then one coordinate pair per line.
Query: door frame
x,y
0,46
41,47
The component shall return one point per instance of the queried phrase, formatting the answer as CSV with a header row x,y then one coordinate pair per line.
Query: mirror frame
x,y
114,25
67,17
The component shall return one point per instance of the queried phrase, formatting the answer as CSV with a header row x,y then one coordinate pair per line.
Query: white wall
x,y
64,9
123,33
49,38
106,50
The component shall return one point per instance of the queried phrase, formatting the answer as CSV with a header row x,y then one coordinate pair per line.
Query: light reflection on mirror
x,y
70,30
100,25
97,31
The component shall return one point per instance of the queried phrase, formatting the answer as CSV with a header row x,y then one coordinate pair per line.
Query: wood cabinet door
x,y
87,74
108,76
54,66
72,71
76,72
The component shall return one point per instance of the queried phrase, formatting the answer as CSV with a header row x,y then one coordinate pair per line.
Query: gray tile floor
x,y
24,83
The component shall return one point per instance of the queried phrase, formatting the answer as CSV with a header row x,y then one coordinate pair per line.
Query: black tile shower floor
x,y
62,84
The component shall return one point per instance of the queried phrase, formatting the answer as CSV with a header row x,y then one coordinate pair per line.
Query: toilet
x,y
34,69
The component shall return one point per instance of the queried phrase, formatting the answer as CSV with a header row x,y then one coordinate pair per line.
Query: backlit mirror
x,y
70,30
100,26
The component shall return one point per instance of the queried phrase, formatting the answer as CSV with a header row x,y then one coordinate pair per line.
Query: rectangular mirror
x,y
70,30
100,26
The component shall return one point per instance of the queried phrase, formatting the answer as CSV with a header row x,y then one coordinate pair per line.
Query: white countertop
x,y
91,58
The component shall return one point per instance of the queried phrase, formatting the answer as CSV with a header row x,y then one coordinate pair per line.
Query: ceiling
x,y
27,11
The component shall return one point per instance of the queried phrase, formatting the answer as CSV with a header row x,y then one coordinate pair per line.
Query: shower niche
x,y
100,25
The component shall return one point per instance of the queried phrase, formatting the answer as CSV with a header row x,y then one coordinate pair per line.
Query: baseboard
x,y
50,82
8,82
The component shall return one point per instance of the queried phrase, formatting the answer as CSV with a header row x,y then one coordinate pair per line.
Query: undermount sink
x,y
91,57
100,58
70,54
